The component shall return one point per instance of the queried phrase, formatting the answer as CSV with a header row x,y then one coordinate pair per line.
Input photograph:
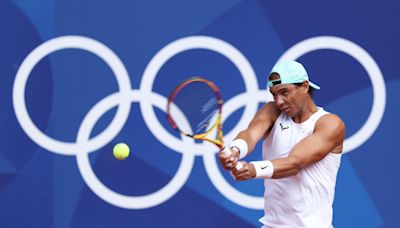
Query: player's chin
x,y
285,110
289,112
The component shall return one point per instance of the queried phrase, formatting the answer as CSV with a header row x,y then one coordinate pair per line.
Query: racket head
x,y
194,109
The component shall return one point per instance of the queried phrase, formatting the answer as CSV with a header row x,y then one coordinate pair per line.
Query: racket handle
x,y
239,166
228,152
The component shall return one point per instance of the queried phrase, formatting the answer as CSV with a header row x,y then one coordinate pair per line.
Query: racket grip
x,y
239,166
228,152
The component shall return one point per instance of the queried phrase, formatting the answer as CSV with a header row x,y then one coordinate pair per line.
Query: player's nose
x,y
278,101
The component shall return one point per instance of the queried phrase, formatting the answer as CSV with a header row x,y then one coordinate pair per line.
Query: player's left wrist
x,y
263,169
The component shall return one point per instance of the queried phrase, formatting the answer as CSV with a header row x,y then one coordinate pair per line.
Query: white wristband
x,y
241,145
264,169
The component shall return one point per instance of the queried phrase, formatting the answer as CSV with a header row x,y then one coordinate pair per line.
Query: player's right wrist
x,y
241,146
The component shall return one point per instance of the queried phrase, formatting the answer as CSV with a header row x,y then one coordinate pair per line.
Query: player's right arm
x,y
259,125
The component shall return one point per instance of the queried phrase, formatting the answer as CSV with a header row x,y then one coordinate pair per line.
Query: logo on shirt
x,y
283,127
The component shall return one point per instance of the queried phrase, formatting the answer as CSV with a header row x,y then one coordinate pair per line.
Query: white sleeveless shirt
x,y
304,200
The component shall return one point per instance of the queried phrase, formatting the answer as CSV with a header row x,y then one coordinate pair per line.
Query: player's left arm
x,y
327,137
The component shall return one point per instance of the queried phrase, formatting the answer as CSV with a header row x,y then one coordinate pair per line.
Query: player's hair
x,y
310,89
274,76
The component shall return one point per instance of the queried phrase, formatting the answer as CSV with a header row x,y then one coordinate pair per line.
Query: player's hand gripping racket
x,y
197,111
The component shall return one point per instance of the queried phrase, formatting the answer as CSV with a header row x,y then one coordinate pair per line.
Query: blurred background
x,y
59,122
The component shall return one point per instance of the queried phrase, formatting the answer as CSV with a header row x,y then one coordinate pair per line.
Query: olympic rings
x,y
84,145
114,198
66,42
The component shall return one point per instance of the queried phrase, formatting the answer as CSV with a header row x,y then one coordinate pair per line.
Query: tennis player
x,y
302,146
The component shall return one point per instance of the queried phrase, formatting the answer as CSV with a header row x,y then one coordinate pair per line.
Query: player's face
x,y
289,98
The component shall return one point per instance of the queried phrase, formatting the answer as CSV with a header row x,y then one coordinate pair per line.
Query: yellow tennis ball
x,y
121,151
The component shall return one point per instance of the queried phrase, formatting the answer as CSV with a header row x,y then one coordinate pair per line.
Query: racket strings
x,y
199,105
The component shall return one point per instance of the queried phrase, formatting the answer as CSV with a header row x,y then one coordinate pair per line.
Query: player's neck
x,y
308,109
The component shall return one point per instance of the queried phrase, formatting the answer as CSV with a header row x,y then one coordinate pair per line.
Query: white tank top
x,y
304,200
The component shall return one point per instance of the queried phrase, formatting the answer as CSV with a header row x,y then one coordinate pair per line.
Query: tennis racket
x,y
197,112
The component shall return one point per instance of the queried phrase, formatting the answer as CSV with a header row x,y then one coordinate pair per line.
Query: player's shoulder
x,y
271,106
272,109
268,113
331,121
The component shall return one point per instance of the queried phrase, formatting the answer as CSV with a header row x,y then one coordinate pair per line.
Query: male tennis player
x,y
302,146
